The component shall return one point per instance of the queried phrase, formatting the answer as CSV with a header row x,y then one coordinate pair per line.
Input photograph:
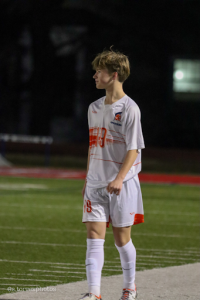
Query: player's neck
x,y
114,94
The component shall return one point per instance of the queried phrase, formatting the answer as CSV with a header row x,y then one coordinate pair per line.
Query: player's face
x,y
103,78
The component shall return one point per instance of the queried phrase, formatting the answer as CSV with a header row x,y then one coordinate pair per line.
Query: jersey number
x,y
97,137
87,206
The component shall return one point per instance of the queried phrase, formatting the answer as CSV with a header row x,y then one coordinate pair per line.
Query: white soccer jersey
x,y
114,130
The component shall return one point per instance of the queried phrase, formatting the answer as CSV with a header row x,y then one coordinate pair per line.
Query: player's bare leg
x,y
94,257
96,230
122,235
124,245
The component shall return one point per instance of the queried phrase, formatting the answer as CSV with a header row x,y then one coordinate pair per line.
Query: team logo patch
x,y
117,119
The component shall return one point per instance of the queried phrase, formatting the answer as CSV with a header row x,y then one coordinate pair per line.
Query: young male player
x,y
112,190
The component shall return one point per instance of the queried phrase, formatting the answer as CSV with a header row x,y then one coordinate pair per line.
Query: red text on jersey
x,y
97,137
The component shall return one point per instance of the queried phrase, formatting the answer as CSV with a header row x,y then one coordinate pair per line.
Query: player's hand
x,y
115,186
83,190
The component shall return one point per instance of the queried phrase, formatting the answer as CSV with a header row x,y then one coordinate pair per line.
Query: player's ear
x,y
115,75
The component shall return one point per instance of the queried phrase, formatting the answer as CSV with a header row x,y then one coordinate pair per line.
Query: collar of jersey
x,y
108,106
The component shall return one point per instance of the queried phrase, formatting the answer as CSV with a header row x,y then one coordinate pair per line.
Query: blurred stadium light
x,y
186,79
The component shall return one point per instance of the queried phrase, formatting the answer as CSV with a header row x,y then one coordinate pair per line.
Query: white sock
x,y
94,264
128,263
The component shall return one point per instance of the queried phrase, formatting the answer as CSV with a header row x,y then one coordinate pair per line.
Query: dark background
x,y
46,49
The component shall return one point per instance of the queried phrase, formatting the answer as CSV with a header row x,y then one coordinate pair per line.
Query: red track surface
x,y
76,174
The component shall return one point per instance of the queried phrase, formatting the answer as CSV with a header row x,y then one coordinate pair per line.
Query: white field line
x,y
75,207
166,235
113,267
64,264
57,229
84,273
32,279
18,274
68,230
156,256
76,245
80,207
160,212
83,268
118,268
137,263
37,262
169,258
80,231
49,275
179,224
142,260
192,248
144,263
22,187
41,244
182,254
42,229
70,264
20,284
165,203
112,262
196,250
57,245
167,250
70,272
36,206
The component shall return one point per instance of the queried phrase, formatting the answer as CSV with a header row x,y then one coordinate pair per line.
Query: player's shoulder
x,y
131,105
97,104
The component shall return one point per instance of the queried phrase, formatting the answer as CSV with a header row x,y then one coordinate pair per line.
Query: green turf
x,y
43,241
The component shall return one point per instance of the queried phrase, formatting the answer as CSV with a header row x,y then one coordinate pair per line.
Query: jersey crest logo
x,y
117,119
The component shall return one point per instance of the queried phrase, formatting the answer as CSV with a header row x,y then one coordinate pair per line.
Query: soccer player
x,y
112,190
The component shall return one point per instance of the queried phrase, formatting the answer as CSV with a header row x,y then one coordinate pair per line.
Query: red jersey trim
x,y
114,161
136,164
116,132
108,160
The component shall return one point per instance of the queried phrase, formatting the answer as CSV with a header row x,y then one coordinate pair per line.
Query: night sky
x,y
46,51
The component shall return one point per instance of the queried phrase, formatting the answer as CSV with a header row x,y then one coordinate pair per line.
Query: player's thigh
x,y
122,235
96,230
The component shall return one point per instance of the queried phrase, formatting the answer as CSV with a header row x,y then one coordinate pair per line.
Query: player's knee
x,y
92,235
122,237
121,242
95,231
95,234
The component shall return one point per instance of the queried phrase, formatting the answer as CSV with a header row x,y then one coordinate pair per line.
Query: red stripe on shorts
x,y
138,219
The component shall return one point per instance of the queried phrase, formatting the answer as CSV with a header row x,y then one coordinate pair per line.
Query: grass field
x,y
43,242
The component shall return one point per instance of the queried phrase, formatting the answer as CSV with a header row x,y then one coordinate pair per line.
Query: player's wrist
x,y
120,177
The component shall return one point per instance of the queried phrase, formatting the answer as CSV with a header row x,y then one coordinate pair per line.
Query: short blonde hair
x,y
113,61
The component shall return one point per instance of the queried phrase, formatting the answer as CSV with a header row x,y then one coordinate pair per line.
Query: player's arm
x,y
116,185
88,162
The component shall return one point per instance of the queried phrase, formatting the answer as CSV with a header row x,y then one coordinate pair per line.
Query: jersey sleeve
x,y
134,136
89,118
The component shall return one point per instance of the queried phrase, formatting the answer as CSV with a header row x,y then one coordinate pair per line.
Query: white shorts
x,y
121,210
